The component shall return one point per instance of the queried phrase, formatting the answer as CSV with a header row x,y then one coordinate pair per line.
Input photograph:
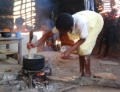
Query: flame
x,y
41,74
58,42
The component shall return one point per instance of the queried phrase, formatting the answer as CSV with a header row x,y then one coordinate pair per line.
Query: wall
x,y
25,40
71,6
6,12
49,9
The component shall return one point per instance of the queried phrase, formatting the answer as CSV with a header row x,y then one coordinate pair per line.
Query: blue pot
x,y
18,34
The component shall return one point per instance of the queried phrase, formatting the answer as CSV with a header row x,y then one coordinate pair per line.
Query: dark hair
x,y
19,21
64,22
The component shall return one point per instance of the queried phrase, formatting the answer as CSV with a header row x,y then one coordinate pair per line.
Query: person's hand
x,y
65,55
31,45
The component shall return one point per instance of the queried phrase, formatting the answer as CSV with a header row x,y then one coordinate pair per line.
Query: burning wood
x,y
40,74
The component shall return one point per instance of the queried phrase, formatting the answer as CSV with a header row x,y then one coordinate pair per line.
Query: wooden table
x,y
12,40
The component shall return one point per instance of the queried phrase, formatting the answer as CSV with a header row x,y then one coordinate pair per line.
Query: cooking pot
x,y
33,62
6,34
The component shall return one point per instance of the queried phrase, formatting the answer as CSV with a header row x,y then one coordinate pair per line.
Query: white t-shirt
x,y
80,25
84,22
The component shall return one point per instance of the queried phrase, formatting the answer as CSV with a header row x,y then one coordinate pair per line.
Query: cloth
x,y
95,25
109,36
89,5
80,25
54,30
92,23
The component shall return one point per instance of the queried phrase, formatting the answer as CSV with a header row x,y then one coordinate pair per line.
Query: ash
x,y
11,82
19,82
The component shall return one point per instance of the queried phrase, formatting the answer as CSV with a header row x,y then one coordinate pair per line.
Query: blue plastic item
x,y
18,34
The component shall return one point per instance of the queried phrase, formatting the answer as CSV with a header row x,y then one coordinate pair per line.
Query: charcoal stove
x,y
35,70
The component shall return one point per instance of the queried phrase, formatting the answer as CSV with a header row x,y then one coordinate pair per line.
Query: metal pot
x,y
33,62
6,34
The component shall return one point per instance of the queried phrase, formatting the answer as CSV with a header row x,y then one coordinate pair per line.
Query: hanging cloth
x,y
89,4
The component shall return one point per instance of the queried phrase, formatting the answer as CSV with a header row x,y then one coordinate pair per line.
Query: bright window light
x,y
25,9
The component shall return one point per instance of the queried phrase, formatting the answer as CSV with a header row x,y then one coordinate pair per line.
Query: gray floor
x,y
11,65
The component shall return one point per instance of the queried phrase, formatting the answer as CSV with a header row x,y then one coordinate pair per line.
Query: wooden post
x,y
20,51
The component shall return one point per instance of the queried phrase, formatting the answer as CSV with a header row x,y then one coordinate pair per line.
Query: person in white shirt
x,y
79,30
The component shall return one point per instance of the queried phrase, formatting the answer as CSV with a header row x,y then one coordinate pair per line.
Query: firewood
x,y
86,81
104,75
61,78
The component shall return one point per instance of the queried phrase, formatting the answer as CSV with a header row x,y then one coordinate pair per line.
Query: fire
x,y
41,74
58,44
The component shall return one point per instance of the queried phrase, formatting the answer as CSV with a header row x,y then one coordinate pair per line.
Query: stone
x,y
8,76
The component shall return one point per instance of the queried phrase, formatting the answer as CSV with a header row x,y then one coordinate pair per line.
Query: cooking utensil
x,y
34,62
28,53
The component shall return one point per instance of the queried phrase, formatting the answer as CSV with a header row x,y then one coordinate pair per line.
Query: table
x,y
11,40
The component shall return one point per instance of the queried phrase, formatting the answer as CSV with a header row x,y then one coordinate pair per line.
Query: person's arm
x,y
74,47
65,40
44,38
40,42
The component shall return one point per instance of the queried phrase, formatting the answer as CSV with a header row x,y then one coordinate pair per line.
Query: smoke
x,y
44,5
44,12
